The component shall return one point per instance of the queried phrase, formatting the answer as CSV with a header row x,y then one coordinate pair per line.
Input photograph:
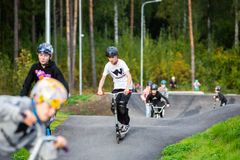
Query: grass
x,y
22,154
78,98
220,142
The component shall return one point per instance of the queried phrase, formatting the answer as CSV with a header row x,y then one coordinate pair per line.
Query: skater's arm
x,y
129,82
100,86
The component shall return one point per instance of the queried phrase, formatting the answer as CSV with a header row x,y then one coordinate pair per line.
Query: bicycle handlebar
x,y
39,143
155,106
110,93
36,147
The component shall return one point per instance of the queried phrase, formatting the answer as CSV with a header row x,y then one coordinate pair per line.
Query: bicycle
x,y
158,111
39,142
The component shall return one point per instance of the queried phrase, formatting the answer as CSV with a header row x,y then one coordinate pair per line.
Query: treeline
x,y
166,44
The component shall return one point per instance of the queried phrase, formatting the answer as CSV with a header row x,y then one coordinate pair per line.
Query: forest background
x,y
167,49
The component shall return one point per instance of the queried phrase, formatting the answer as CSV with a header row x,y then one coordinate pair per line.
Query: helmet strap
x,y
34,110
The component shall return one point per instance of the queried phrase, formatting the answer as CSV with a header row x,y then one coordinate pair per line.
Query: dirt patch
x,y
98,106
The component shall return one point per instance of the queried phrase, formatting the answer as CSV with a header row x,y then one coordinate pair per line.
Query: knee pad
x,y
122,107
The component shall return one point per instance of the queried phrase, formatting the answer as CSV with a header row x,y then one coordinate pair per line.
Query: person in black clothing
x,y
219,97
155,97
44,68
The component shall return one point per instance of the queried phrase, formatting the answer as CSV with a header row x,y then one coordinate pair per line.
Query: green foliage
x,y
59,119
24,63
5,74
166,55
219,142
219,67
22,154
164,58
75,99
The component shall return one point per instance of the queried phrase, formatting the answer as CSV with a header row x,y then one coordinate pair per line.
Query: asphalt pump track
x,y
93,137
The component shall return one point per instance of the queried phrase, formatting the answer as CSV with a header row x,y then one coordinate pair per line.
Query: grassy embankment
x,y
220,142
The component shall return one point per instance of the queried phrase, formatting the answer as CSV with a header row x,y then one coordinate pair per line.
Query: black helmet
x,y
149,83
218,88
111,51
154,87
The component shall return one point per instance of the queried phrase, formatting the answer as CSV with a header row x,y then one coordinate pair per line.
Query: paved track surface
x,y
93,137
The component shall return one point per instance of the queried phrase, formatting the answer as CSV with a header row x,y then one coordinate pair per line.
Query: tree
x,y
61,24
16,41
191,40
74,38
69,48
115,22
91,30
131,17
71,21
55,30
209,25
33,25
237,15
184,18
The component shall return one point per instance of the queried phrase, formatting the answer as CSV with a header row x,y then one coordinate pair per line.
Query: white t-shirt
x,y
118,73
